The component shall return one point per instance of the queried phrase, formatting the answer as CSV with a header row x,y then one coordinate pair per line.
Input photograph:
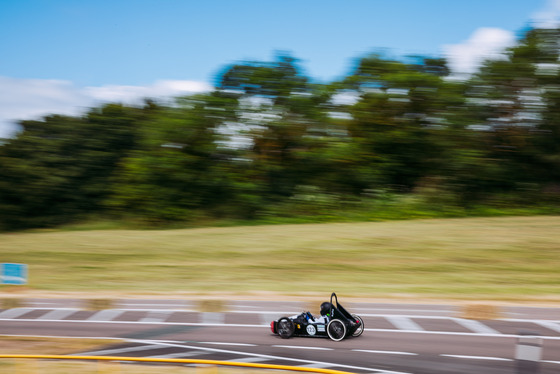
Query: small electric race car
x,y
334,322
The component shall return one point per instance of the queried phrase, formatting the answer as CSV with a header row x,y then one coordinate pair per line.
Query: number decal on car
x,y
311,330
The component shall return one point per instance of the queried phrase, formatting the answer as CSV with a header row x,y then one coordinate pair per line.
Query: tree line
x,y
270,142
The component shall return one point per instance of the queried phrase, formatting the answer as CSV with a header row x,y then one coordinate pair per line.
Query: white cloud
x,y
489,43
133,94
23,99
32,98
548,17
485,43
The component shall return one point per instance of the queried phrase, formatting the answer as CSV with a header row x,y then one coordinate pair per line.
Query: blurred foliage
x,y
391,139
59,168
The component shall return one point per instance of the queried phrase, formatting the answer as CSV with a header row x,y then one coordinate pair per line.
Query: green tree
x,y
515,100
285,120
179,170
58,169
400,119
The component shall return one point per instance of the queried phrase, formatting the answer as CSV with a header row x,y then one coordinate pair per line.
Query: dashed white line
x,y
370,370
260,326
156,316
264,312
386,352
303,347
549,325
180,355
153,310
403,310
234,344
248,359
404,323
475,326
107,352
106,315
15,312
212,318
154,305
58,314
478,357
317,366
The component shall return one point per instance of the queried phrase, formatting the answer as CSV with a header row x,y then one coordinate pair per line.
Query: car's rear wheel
x,y
360,330
285,328
336,330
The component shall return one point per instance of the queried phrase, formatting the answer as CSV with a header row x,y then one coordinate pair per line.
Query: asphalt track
x,y
399,338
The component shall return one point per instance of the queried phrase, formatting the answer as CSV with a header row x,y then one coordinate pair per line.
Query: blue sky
x,y
63,56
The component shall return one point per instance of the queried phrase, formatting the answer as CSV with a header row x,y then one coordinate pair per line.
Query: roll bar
x,y
336,299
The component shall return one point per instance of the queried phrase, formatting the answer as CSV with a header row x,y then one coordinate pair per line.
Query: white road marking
x,y
451,333
403,323
549,325
267,312
65,337
212,318
268,316
475,326
15,312
253,357
57,314
106,315
404,310
236,344
265,319
153,310
154,305
248,359
415,316
317,366
157,316
478,357
300,347
141,323
386,352
269,357
107,352
180,355
267,326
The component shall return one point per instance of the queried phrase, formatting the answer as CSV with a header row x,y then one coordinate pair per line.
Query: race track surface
x,y
399,338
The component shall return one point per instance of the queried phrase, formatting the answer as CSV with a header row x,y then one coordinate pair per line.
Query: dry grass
x,y
495,258
49,346
30,366
481,312
62,346
27,366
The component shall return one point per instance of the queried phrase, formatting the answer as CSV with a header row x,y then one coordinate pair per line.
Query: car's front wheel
x,y
360,330
336,330
285,328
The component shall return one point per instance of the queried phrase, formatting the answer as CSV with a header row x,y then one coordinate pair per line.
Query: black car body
x,y
337,324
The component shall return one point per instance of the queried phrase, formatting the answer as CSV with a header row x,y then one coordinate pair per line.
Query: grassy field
x,y
515,258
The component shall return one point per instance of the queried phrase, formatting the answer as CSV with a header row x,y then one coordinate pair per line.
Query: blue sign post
x,y
13,274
